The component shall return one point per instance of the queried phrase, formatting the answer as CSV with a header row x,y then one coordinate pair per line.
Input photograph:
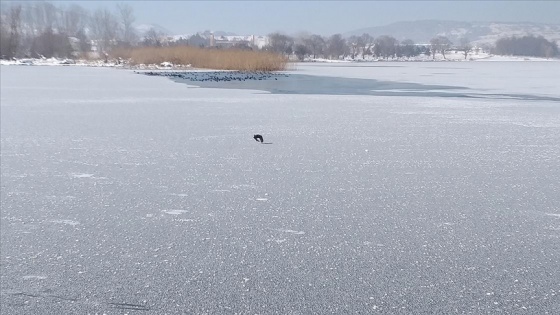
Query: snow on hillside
x,y
500,30
477,32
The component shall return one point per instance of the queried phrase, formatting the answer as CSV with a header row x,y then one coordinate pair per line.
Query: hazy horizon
x,y
320,17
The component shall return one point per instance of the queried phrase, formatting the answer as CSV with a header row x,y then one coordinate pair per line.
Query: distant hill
x,y
478,32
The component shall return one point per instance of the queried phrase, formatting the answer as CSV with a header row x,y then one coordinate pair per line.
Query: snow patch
x,y
290,231
179,195
175,211
81,175
68,222
34,277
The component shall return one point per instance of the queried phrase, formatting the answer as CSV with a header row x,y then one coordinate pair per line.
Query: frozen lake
x,y
394,188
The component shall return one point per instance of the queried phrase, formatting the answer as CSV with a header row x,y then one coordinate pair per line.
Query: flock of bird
x,y
218,76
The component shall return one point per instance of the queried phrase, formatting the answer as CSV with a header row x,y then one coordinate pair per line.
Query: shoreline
x,y
170,66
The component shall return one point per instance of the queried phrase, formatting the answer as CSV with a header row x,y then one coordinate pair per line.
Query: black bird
x,y
258,138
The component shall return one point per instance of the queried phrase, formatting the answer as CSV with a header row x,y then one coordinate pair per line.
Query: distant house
x,y
252,41
208,39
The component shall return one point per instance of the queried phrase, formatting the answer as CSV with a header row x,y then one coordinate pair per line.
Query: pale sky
x,y
321,17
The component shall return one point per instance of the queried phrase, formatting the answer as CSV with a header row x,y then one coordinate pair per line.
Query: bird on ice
x,y
258,138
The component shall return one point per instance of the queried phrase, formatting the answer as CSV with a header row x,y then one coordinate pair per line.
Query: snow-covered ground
x,y
454,56
451,55
56,62
123,192
84,63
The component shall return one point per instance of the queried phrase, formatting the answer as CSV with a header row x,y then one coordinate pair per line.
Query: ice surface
x,y
68,222
394,204
175,211
395,79
290,231
77,175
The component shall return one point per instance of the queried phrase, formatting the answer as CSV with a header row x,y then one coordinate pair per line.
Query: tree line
x,y
338,47
526,46
36,29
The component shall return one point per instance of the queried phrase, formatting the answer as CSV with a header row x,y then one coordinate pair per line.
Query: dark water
x,y
324,85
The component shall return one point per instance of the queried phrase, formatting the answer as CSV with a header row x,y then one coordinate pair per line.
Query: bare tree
x,y
316,45
84,42
126,15
197,41
550,50
74,19
366,42
301,51
385,46
4,37
280,43
441,44
51,44
28,19
153,38
465,46
526,46
15,31
434,45
445,44
34,27
25,27
336,46
354,44
45,15
96,26
104,27
407,48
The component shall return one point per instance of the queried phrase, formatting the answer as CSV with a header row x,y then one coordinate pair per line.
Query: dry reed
x,y
220,59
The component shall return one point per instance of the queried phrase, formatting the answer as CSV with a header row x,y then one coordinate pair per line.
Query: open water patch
x,y
283,83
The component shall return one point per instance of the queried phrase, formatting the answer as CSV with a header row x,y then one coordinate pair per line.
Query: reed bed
x,y
219,59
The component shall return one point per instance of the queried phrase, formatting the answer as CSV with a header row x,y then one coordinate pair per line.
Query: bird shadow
x,y
266,142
